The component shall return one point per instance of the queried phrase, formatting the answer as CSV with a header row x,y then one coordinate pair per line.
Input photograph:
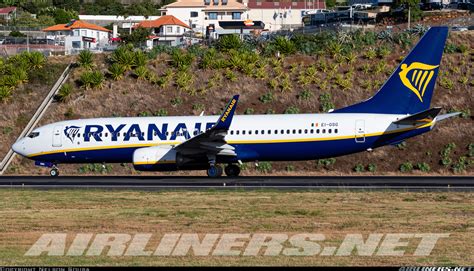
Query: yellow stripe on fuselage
x,y
233,141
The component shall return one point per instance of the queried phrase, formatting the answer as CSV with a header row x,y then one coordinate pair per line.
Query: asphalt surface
x,y
461,184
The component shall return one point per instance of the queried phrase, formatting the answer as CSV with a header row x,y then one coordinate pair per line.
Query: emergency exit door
x,y
360,131
57,136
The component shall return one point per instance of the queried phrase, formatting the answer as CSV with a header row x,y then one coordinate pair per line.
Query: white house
x,y
167,30
204,15
78,35
277,14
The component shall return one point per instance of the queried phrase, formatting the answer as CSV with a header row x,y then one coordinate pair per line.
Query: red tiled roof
x,y
163,20
77,24
7,10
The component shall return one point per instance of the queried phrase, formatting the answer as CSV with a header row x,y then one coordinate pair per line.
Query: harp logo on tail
x,y
417,76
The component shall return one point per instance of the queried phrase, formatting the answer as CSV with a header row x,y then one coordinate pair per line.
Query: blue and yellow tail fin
x,y
410,87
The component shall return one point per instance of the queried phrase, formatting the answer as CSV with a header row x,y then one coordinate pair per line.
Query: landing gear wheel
x,y
214,171
232,170
54,172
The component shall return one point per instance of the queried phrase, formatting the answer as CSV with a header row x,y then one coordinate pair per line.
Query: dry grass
x,y
28,214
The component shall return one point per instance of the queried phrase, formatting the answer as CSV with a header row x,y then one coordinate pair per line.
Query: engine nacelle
x,y
155,158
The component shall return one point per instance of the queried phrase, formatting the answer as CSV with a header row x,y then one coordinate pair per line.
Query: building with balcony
x,y
281,14
204,15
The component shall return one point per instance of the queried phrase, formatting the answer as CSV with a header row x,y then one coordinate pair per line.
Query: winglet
x,y
224,121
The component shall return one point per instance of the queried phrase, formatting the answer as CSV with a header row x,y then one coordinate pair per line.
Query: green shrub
x,y
116,71
181,60
176,101
228,42
92,79
249,111
326,163
124,56
292,110
140,58
85,59
406,167
284,45
184,80
37,60
161,112
359,168
230,75
423,167
64,92
325,103
290,168
266,98
461,164
305,95
5,93
371,167
141,72
264,167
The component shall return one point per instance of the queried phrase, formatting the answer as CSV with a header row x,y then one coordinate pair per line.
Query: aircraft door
x,y
360,131
57,137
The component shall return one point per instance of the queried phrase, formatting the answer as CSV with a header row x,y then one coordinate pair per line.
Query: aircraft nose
x,y
19,147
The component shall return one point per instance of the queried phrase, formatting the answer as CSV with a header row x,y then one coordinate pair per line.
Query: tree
x,y
138,37
16,34
62,16
415,11
330,3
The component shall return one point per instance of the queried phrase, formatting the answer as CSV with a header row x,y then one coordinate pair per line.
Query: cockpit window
x,y
33,134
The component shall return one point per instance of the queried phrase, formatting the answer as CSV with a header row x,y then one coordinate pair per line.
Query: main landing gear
x,y
54,172
216,171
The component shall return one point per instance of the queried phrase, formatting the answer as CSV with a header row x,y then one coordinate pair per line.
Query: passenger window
x,y
256,132
231,132
269,132
312,131
276,132
335,131
299,131
282,132
294,131
317,131
324,131
250,132
237,132
329,130
263,132
243,132
305,131
288,131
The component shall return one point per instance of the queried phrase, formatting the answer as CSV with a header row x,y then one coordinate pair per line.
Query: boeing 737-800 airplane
x,y
399,110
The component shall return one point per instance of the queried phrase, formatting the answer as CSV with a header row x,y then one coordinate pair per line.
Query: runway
x,y
411,183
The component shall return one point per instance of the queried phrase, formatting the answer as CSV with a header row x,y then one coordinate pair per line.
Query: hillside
x,y
313,74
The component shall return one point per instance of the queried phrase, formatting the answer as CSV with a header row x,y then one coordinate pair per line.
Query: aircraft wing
x,y
212,141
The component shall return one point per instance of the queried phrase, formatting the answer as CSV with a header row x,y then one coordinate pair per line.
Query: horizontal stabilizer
x,y
420,118
446,116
